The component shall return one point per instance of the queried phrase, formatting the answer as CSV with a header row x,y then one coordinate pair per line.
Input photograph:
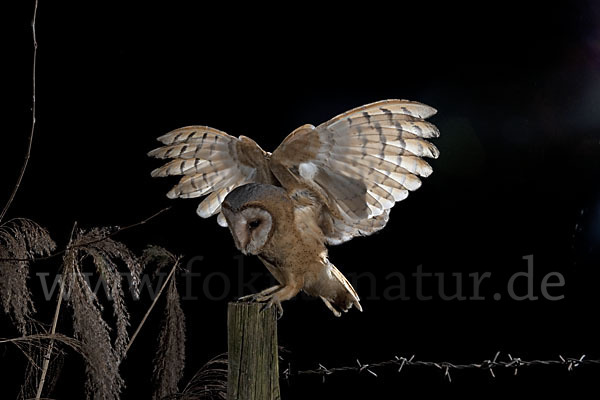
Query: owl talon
x,y
259,297
247,299
270,304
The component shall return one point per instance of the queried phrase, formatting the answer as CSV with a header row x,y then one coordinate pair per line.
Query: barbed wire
x,y
445,367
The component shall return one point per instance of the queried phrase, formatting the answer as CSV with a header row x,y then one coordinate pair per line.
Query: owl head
x,y
254,213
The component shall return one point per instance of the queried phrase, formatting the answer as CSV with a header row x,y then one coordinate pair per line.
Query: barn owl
x,y
322,186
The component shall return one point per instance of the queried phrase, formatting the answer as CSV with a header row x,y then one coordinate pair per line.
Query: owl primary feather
x,y
322,186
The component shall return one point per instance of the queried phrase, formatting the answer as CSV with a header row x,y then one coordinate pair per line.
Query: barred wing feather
x,y
361,162
212,163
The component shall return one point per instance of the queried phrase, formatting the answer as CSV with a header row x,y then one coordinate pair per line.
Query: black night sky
x,y
517,89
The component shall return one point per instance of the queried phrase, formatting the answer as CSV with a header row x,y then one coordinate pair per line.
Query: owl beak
x,y
244,246
241,240
232,228
241,245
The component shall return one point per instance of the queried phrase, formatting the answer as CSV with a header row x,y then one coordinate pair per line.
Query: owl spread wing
x,y
212,163
359,163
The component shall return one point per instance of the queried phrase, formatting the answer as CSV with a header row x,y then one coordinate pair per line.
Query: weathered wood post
x,y
253,357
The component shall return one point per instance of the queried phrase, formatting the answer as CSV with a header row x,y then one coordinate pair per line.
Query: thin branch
x,y
46,363
30,141
58,253
162,288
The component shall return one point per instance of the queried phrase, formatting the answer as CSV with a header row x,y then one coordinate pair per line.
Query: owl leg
x,y
331,307
285,293
261,296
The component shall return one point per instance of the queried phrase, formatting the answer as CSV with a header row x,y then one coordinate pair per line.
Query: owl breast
x,y
298,248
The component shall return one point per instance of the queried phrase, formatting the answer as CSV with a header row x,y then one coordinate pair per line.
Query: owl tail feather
x,y
344,296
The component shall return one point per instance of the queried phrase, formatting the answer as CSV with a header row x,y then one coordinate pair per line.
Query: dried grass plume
x,y
20,240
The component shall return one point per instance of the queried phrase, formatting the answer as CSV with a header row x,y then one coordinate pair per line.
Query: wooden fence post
x,y
253,362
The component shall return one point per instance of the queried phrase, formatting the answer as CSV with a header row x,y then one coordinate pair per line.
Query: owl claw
x,y
260,297
249,298
273,296
267,297
270,304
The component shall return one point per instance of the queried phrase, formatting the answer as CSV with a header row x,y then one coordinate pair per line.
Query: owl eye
x,y
254,224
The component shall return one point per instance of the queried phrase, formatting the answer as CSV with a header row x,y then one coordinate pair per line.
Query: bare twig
x,y
162,288
30,140
46,363
84,244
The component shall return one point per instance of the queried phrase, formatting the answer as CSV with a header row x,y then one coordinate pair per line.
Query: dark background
x,y
517,88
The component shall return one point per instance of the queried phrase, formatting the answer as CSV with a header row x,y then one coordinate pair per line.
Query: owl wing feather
x,y
359,164
212,163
